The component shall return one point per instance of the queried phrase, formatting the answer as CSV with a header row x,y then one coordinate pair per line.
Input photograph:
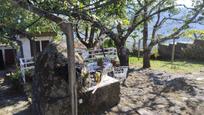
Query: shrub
x,y
14,78
28,76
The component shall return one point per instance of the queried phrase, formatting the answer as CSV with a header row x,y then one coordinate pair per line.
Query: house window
x,y
39,46
44,44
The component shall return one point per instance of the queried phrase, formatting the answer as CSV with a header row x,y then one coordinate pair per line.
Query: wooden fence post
x,y
173,53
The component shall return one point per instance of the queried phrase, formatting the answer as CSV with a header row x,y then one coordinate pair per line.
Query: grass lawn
x,y
179,66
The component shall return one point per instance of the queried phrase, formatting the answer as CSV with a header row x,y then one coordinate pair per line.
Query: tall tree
x,y
88,34
161,20
146,51
117,19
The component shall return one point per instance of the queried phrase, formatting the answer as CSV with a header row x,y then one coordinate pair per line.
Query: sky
x,y
188,3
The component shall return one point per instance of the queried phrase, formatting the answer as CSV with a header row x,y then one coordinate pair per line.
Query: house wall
x,y
42,39
27,45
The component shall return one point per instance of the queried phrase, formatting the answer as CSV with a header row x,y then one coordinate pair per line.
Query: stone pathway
x,y
150,92
147,92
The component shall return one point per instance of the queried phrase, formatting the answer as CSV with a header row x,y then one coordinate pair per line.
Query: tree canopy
x,y
117,19
15,20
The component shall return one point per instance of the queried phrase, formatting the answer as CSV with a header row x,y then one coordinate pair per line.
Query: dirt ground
x,y
12,102
146,92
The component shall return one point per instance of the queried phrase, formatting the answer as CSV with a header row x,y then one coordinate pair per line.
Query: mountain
x,y
168,27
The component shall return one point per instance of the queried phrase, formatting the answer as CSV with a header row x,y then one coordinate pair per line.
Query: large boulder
x,y
50,94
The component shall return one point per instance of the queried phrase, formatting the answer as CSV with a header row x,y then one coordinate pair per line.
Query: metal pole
x,y
173,52
71,66
138,51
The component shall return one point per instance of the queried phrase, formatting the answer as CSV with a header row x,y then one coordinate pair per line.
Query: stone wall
x,y
183,51
103,99
199,42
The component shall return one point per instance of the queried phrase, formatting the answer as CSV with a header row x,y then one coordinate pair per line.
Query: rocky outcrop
x,y
50,94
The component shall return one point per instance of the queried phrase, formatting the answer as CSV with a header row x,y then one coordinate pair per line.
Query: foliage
x,y
28,75
16,18
15,80
155,52
87,34
5,41
108,43
160,20
118,19
194,34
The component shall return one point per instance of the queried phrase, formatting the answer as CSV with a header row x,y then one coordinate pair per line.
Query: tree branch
x,y
79,37
156,26
91,37
38,11
14,31
184,26
134,25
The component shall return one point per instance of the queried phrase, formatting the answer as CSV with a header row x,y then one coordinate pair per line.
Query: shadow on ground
x,y
154,94
12,100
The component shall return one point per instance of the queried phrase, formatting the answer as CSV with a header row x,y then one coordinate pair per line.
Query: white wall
x,y
43,38
26,47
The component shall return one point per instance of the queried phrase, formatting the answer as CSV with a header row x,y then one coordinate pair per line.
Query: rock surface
x,y
104,98
149,92
50,88
50,94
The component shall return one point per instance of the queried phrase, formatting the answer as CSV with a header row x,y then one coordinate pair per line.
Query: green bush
x,y
108,43
14,78
28,76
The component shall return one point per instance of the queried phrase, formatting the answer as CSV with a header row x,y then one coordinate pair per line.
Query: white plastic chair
x,y
25,65
120,72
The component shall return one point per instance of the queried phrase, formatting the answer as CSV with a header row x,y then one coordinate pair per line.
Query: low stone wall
x,y
183,51
199,42
104,98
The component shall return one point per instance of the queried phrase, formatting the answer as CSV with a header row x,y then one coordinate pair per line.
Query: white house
x,y
41,40
8,55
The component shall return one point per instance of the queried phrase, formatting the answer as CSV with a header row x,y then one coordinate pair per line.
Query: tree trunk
x,y
146,53
123,55
146,59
